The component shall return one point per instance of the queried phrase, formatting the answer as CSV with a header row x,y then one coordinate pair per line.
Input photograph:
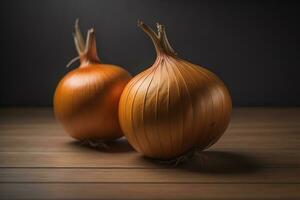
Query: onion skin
x,y
86,100
173,106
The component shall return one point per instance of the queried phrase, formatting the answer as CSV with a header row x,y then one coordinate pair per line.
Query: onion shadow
x,y
217,162
115,146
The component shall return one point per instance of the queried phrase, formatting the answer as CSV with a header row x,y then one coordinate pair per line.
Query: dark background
x,y
252,45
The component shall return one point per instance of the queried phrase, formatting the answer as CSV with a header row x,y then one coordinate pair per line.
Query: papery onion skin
x,y
86,99
173,106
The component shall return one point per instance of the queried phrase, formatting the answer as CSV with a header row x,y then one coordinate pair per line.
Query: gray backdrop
x,y
252,45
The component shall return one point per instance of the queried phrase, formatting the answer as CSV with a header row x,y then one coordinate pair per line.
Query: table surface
x,y
257,158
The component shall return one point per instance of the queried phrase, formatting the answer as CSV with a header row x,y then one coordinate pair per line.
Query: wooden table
x,y
257,158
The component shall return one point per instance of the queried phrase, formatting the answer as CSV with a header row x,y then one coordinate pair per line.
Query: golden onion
x,y
86,100
174,105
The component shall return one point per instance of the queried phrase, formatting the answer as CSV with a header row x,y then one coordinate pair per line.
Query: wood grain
x,y
125,175
149,191
263,157
257,158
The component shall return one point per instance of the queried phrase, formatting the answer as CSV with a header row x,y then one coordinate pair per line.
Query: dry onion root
x,y
96,144
173,106
187,158
86,100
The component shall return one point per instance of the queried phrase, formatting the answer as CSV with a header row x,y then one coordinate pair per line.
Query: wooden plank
x,y
56,144
69,159
49,130
149,191
214,157
230,134
67,144
179,175
257,158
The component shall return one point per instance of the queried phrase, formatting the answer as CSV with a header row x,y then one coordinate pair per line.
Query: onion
x,y
86,99
174,106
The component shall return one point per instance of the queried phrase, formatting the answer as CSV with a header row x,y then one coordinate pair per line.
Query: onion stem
x,y
159,39
87,50
79,42
72,61
90,52
164,40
